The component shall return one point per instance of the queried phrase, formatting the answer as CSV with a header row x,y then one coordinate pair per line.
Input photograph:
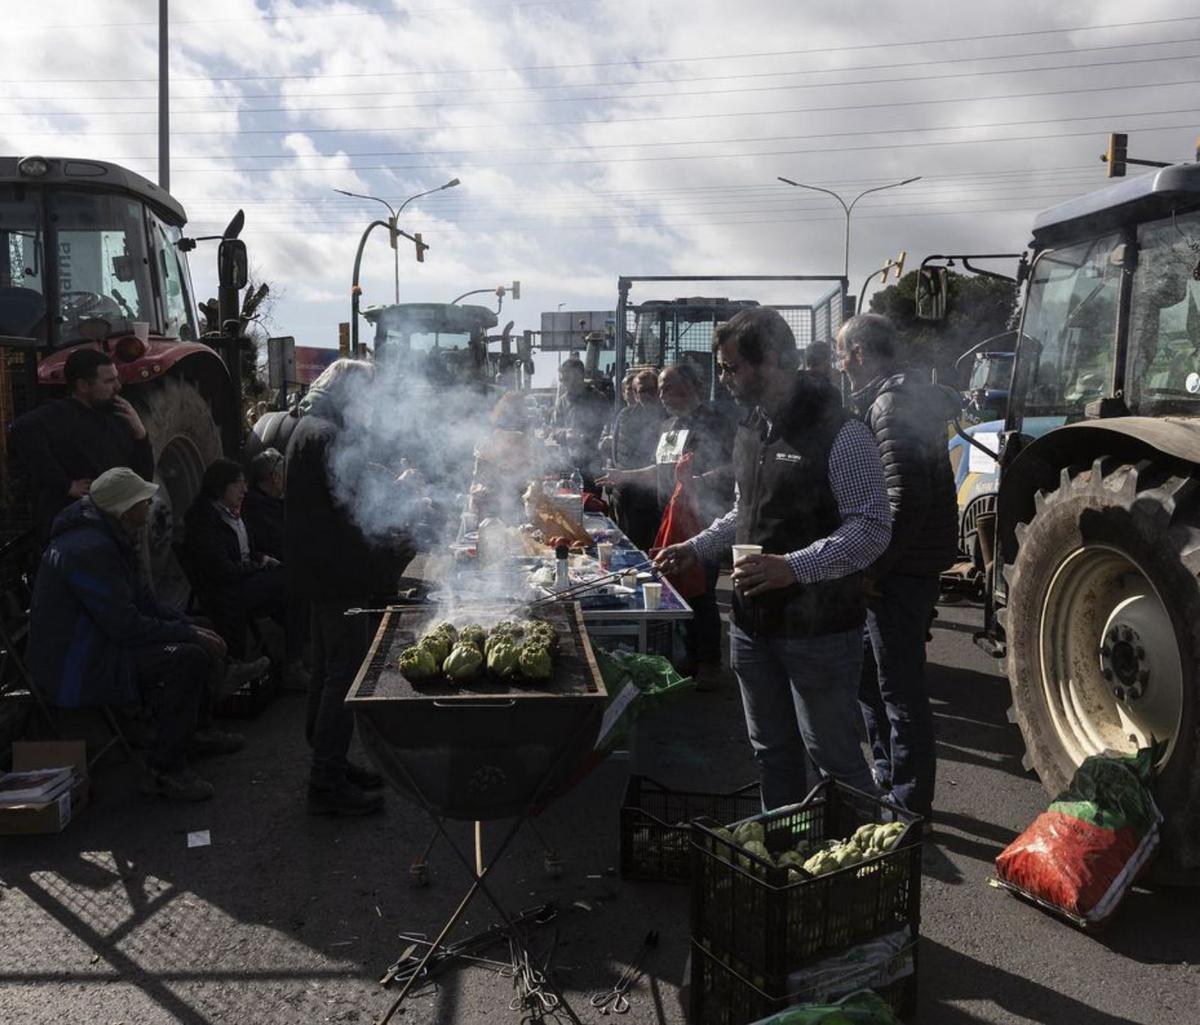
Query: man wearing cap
x,y
63,446
98,636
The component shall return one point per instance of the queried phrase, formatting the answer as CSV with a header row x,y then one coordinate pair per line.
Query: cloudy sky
x,y
596,138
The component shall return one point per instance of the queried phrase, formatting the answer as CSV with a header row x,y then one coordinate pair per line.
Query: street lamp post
x,y
394,218
848,208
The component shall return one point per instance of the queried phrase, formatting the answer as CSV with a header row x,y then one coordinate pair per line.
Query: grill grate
x,y
381,678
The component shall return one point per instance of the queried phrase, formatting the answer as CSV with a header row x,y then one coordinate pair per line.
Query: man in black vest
x,y
908,418
810,491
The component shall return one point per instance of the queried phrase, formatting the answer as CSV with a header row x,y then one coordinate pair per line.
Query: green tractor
x,y
1093,590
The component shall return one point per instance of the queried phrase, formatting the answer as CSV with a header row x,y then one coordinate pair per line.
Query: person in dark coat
x,y
263,506
635,436
579,420
62,446
98,636
691,426
334,565
908,418
234,582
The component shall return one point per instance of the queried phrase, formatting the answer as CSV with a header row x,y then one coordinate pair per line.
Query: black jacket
x,y
785,503
212,555
264,519
709,439
908,418
63,441
327,557
586,414
92,609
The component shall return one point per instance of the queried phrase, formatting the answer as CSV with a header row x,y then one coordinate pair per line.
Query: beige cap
x,y
117,490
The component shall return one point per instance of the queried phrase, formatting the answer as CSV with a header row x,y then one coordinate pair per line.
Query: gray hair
x,y
264,464
873,334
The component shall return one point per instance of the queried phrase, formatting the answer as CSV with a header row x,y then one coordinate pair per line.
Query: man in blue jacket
x,y
98,636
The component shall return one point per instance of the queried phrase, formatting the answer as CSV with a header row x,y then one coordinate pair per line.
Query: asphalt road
x,y
287,918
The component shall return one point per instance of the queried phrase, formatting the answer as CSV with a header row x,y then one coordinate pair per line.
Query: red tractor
x,y
93,255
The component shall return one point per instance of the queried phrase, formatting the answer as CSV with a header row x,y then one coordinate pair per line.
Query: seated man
x,y
98,636
263,514
234,582
262,508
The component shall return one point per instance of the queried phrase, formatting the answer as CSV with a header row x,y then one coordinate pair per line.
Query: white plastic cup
x,y
141,331
629,579
741,551
604,550
652,595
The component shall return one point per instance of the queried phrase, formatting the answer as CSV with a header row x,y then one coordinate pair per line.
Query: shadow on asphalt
x,y
961,978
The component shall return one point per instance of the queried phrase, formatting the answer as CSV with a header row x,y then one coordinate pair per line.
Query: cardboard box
x,y
49,816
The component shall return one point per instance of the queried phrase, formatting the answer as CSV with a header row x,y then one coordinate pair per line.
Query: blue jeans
x,y
800,698
895,703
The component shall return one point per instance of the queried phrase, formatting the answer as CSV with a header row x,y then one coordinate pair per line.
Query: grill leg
x,y
418,871
551,861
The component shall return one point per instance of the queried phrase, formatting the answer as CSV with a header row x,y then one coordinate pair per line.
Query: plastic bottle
x,y
562,576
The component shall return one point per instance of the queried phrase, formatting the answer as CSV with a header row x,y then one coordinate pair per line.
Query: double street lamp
x,y
393,222
848,207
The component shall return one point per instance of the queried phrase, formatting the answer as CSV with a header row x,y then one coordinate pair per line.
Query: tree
x,y
976,308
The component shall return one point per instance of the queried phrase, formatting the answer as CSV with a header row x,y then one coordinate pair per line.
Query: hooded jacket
x,y
92,607
328,558
908,418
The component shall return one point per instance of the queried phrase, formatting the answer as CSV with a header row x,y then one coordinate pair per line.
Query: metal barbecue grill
x,y
482,751
479,752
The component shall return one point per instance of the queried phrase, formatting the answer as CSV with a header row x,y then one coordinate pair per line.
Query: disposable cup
x,y
604,550
629,580
741,551
141,331
652,595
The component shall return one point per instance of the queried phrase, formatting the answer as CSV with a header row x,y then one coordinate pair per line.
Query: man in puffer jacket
x,y
908,418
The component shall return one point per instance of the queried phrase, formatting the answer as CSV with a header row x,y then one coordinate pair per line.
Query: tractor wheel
x,y
1103,628
185,440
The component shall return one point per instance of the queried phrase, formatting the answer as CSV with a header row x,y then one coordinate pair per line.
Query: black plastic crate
x,y
721,994
654,843
744,908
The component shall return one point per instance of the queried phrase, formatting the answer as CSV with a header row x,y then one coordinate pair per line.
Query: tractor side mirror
x,y
931,293
232,263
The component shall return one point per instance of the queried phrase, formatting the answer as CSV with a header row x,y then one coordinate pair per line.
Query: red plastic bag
x,y
1081,855
680,522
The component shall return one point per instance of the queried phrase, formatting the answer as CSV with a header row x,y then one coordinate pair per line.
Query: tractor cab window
x,y
173,280
22,265
103,268
1070,321
1164,322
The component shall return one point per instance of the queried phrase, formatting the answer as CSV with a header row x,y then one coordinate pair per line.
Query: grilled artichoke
x,y
535,662
504,658
418,663
463,663
473,634
438,645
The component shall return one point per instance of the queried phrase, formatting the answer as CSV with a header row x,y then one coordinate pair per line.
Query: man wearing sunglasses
x,y
811,492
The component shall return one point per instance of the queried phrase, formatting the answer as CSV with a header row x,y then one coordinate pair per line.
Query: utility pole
x,y
164,100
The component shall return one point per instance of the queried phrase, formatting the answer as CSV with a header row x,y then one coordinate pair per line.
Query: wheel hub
x,y
1123,661
1111,666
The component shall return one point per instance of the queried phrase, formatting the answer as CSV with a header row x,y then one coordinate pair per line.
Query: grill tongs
x,y
566,594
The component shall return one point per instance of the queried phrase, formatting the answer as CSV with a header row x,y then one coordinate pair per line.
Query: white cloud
x,y
495,95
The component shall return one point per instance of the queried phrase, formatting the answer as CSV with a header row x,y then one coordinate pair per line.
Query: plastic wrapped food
x,y
1081,855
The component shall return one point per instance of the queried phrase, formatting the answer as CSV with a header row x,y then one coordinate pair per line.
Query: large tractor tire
x,y
185,440
1103,630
